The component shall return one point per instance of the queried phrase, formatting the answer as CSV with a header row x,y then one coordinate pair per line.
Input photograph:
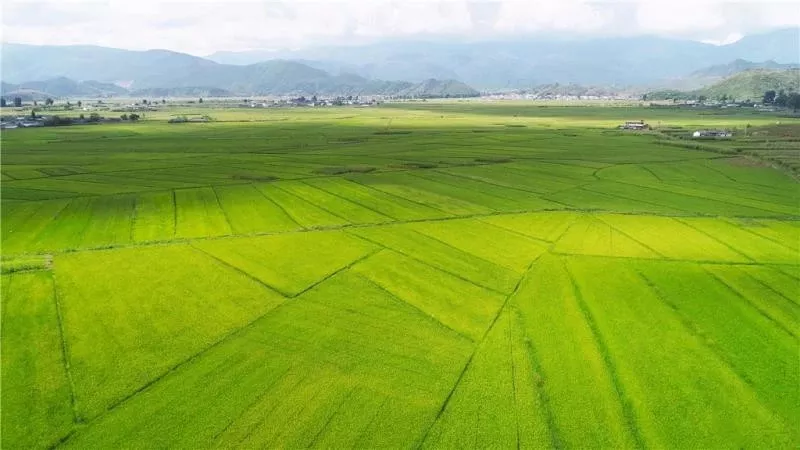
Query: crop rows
x,y
426,275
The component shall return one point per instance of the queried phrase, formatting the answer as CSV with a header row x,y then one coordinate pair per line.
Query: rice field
x,y
420,275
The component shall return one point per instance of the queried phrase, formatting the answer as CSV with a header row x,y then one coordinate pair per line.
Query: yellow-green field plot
x,y
318,278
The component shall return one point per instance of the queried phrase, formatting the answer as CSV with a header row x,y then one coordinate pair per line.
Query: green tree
x,y
124,117
201,100
79,103
55,121
33,114
781,99
94,117
769,97
134,117
793,101
49,101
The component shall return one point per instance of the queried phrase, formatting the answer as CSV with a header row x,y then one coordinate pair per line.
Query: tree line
x,y
782,99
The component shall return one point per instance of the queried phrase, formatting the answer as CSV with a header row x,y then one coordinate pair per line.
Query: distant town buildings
x,y
314,102
513,95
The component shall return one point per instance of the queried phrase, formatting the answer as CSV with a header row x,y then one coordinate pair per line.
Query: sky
x,y
203,27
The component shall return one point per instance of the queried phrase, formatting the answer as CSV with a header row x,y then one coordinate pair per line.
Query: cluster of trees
x,y
58,121
782,99
47,102
185,119
338,101
179,119
17,102
151,102
724,98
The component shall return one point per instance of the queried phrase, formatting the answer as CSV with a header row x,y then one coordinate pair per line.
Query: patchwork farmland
x,y
417,275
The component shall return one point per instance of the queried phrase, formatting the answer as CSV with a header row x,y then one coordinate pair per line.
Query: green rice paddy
x,y
421,275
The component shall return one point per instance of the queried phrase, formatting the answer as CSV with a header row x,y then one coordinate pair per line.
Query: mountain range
x,y
426,68
62,87
522,63
739,65
744,85
710,75
170,73
751,84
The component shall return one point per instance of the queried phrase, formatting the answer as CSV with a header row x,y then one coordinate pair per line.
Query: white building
x,y
712,133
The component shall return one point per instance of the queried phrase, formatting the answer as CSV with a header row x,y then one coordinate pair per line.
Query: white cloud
x,y
717,22
541,16
203,26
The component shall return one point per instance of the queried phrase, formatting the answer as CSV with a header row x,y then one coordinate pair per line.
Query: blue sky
x,y
202,27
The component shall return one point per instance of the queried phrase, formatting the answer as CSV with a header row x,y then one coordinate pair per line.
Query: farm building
x,y
30,123
712,133
634,125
